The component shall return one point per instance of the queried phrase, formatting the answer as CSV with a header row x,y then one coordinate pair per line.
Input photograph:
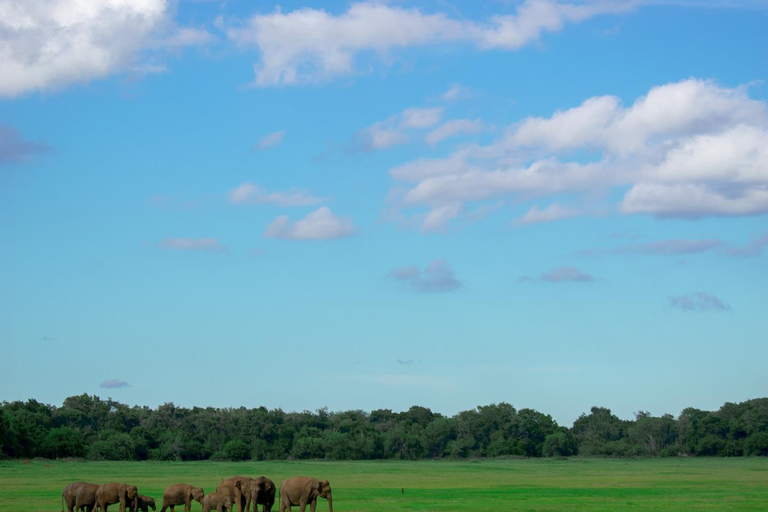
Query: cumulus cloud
x,y
253,194
113,384
686,149
321,224
437,277
699,301
271,140
14,148
560,275
45,46
192,244
310,45
48,45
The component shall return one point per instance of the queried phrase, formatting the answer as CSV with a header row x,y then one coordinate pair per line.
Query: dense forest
x,y
90,427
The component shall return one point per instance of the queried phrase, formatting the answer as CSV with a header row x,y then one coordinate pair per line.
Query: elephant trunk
x,y
330,503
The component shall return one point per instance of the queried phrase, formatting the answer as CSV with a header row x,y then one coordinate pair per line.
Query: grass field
x,y
716,484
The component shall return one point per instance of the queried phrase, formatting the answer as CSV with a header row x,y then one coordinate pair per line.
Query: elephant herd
x,y
241,490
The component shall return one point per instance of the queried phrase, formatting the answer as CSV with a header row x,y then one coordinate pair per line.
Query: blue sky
x,y
383,204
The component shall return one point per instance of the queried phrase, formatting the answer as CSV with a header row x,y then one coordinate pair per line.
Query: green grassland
x,y
700,484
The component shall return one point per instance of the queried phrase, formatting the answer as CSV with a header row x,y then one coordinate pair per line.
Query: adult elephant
x,y
235,487
68,495
116,492
181,494
85,497
218,501
260,491
301,490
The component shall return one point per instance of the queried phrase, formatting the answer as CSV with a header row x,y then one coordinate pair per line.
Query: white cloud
x,y
392,131
699,301
437,218
560,275
420,117
379,136
551,213
252,194
270,140
694,200
192,244
452,129
321,224
455,92
685,149
437,277
48,45
188,36
308,45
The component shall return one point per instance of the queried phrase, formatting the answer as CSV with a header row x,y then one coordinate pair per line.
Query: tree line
x,y
90,427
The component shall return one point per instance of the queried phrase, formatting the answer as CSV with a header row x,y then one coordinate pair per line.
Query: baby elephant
x,y
217,501
145,502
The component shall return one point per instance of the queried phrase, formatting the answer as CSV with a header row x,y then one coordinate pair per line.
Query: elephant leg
x,y
313,505
187,504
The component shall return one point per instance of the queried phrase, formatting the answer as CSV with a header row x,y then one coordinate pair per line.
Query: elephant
x,y
235,487
260,491
221,502
301,490
145,502
116,492
85,497
181,494
68,495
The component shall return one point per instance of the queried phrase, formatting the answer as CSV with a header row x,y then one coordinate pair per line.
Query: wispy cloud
x,y
188,36
311,45
14,148
253,194
114,383
453,128
551,213
437,277
321,224
669,247
699,301
752,249
394,130
455,92
271,140
192,244
561,275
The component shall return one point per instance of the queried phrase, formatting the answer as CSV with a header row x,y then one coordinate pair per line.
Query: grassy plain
x,y
702,484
